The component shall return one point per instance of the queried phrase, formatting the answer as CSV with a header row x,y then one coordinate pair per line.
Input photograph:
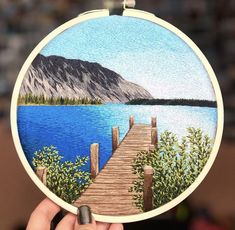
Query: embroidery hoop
x,y
128,13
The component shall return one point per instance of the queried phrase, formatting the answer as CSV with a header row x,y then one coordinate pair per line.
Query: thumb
x,y
85,221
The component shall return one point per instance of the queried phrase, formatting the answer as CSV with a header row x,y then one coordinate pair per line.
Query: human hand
x,y
42,216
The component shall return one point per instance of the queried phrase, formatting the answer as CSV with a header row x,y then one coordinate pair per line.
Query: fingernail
x,y
84,215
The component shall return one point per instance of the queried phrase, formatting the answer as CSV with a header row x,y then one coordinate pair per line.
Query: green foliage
x,y
42,100
176,165
65,179
189,102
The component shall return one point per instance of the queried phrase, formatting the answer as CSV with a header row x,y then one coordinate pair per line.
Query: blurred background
x,y
209,23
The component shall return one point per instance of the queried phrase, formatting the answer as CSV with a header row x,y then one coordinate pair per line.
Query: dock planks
x,y
108,194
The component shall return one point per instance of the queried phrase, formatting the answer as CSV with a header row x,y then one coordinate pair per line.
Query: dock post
x,y
131,121
94,156
41,172
154,136
115,138
154,122
154,139
148,190
151,147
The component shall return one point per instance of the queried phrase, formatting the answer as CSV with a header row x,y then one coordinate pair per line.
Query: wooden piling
x,y
115,138
154,122
154,136
131,121
41,172
151,147
148,190
94,156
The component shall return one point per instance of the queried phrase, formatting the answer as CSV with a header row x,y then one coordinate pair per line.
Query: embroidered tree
x,y
176,165
66,179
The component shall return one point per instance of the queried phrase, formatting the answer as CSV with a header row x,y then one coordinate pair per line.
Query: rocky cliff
x,y
55,76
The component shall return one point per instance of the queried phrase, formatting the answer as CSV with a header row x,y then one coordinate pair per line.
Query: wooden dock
x,y
108,194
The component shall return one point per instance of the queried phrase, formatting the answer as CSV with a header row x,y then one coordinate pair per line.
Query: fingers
x,y
116,227
85,220
102,226
106,226
42,216
68,222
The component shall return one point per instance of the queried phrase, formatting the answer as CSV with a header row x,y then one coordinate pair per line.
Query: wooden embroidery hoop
x,y
128,13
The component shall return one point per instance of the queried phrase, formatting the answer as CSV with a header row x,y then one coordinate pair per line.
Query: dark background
x,y
209,23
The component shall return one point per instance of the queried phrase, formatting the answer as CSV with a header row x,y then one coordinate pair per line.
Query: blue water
x,y
73,128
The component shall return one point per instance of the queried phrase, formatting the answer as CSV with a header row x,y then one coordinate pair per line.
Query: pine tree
x,y
29,98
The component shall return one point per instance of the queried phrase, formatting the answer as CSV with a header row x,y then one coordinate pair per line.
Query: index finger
x,y
41,217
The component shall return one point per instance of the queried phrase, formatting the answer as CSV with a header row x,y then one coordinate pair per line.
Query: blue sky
x,y
141,52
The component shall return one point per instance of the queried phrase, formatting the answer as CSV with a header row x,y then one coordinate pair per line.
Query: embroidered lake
x,y
72,129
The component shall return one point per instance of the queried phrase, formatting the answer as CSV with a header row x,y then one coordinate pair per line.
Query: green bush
x,y
176,165
65,179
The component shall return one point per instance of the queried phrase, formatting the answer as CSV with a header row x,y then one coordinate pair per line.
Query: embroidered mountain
x,y
55,76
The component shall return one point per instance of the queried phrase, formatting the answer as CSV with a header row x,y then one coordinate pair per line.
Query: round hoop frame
x,y
128,13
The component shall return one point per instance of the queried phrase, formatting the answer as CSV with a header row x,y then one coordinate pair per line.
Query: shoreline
x,y
174,102
57,105
115,104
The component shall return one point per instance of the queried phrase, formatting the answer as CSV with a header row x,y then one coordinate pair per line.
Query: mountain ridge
x,y
55,76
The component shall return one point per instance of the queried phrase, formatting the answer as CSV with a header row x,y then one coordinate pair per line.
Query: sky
x,y
141,52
